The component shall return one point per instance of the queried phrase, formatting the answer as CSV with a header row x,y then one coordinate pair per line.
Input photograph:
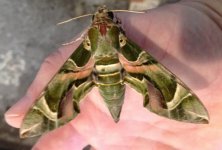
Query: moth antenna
x,y
66,21
81,37
71,42
131,11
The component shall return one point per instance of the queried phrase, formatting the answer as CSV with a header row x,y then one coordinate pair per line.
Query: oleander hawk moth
x,y
108,60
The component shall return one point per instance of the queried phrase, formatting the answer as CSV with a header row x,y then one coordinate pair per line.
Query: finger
x,y
150,30
103,132
47,70
63,138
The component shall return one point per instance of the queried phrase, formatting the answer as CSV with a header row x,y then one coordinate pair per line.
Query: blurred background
x,y
28,34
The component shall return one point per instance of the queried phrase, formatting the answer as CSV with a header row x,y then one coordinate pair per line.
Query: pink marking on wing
x,y
80,72
135,66
79,75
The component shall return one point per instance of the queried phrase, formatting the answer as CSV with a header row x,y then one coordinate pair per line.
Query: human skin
x,y
186,37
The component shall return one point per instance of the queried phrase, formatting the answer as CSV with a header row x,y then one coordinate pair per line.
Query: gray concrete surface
x,y
28,33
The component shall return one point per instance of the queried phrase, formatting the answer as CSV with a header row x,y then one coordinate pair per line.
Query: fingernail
x,y
8,114
13,119
13,116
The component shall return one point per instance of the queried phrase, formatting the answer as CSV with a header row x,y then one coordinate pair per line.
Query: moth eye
x,y
110,14
93,17
122,40
87,44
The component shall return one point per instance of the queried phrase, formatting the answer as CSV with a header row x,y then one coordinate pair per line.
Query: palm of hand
x,y
185,41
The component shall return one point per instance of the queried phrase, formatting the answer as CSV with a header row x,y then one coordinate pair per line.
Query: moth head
x,y
102,9
122,39
102,12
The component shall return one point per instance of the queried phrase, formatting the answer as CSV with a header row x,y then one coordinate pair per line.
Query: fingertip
x,y
13,120
14,115
65,137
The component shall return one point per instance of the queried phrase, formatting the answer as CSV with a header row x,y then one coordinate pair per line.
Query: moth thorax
x,y
108,68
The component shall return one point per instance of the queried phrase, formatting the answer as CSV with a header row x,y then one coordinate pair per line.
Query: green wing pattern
x,y
59,102
108,60
164,94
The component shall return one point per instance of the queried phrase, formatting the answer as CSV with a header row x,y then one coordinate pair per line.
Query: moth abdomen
x,y
109,79
113,95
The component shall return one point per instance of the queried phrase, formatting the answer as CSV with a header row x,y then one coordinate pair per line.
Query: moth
x,y
108,60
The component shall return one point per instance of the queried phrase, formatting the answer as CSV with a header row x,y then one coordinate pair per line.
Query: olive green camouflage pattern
x,y
108,60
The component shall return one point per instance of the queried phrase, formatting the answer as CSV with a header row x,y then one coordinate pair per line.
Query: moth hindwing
x,y
108,60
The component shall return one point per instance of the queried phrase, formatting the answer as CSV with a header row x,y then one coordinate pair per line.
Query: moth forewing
x,y
108,60
175,100
53,108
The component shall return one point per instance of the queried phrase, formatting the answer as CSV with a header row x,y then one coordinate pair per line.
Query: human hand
x,y
183,38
